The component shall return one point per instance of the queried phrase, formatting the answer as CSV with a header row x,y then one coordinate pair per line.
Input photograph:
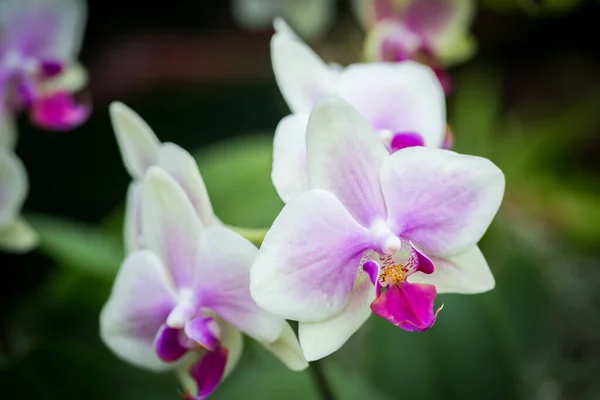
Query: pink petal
x,y
406,139
208,371
168,344
58,112
204,331
408,306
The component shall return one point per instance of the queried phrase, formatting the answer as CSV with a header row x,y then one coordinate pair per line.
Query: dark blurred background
x,y
529,100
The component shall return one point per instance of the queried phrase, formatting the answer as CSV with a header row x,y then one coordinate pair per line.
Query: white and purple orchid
x,y
15,234
435,32
39,42
403,102
376,232
181,299
140,150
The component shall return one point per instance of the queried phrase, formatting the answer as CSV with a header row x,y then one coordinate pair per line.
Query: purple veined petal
x,y
320,339
441,201
141,299
301,75
59,112
344,157
170,225
419,262
222,280
290,169
399,97
44,29
408,306
183,168
428,17
205,331
403,140
307,264
208,371
465,273
168,344
138,144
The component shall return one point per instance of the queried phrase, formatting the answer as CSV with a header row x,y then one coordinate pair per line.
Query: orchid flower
x,y
435,32
140,150
403,102
183,301
376,232
312,18
15,234
39,42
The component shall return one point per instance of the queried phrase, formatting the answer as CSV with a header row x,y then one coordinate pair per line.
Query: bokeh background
x,y
529,100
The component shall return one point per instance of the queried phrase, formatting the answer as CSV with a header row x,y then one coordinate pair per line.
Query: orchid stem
x,y
255,235
323,386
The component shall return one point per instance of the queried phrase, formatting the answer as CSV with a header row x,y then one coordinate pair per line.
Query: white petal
x,y
440,200
170,225
222,282
307,264
465,273
13,186
18,236
320,339
138,144
302,76
399,97
132,225
53,29
183,168
345,157
290,170
141,299
288,350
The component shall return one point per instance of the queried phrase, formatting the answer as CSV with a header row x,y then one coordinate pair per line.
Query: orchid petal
x,y
204,331
138,144
58,112
320,339
208,372
307,263
44,29
302,76
132,225
287,349
231,339
72,79
170,225
344,158
141,299
222,279
465,273
183,168
290,170
18,236
168,344
408,306
406,139
442,201
14,186
401,97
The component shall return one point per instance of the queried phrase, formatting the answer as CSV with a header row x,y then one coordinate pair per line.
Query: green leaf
x,y
91,251
237,174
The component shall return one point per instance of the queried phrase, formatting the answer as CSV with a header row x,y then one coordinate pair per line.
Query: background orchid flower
x,y
403,102
183,301
435,32
15,234
311,18
408,223
140,150
39,43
